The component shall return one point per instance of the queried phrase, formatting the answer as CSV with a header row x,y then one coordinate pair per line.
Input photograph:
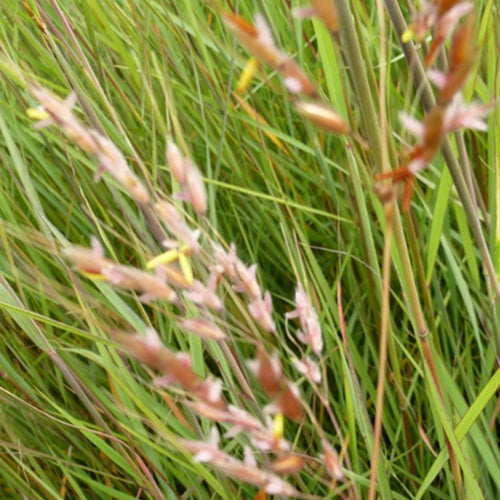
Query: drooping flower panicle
x,y
449,114
310,330
325,10
110,157
258,40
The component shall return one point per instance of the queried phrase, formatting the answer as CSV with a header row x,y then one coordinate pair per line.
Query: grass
x,y
80,419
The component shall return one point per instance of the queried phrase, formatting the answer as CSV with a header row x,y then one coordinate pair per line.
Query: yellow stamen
x,y
278,424
37,114
165,257
94,276
259,119
186,268
407,35
247,75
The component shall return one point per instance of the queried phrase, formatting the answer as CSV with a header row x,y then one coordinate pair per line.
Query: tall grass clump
x,y
250,249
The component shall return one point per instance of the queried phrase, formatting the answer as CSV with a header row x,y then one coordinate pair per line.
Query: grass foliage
x,y
81,420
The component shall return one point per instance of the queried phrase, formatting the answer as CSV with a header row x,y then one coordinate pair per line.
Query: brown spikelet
x,y
248,36
295,79
289,402
445,5
323,116
269,372
158,357
327,12
241,24
433,132
288,463
408,191
462,56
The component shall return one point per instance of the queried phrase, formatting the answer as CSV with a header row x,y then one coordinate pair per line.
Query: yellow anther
x,y
94,276
247,75
186,268
407,35
37,113
278,425
164,258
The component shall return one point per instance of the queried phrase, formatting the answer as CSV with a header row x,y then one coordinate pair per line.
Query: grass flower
x,y
195,188
150,350
258,40
176,225
324,9
246,280
202,328
286,396
441,16
129,278
310,332
462,58
447,18
189,178
287,463
226,260
246,471
287,401
94,264
441,120
332,461
268,371
238,418
202,295
430,133
182,277
112,161
60,112
323,116
265,439
431,136
308,368
210,390
261,436
470,116
88,260
176,162
175,368
204,451
175,276
261,309
110,157
167,257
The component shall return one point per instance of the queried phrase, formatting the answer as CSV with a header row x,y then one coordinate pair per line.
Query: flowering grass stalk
x,y
177,368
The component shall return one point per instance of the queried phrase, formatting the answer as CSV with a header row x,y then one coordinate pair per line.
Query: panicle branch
x,y
449,114
243,470
258,40
111,159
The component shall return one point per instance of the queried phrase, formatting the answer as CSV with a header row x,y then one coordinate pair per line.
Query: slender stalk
x,y
384,333
360,81
371,125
